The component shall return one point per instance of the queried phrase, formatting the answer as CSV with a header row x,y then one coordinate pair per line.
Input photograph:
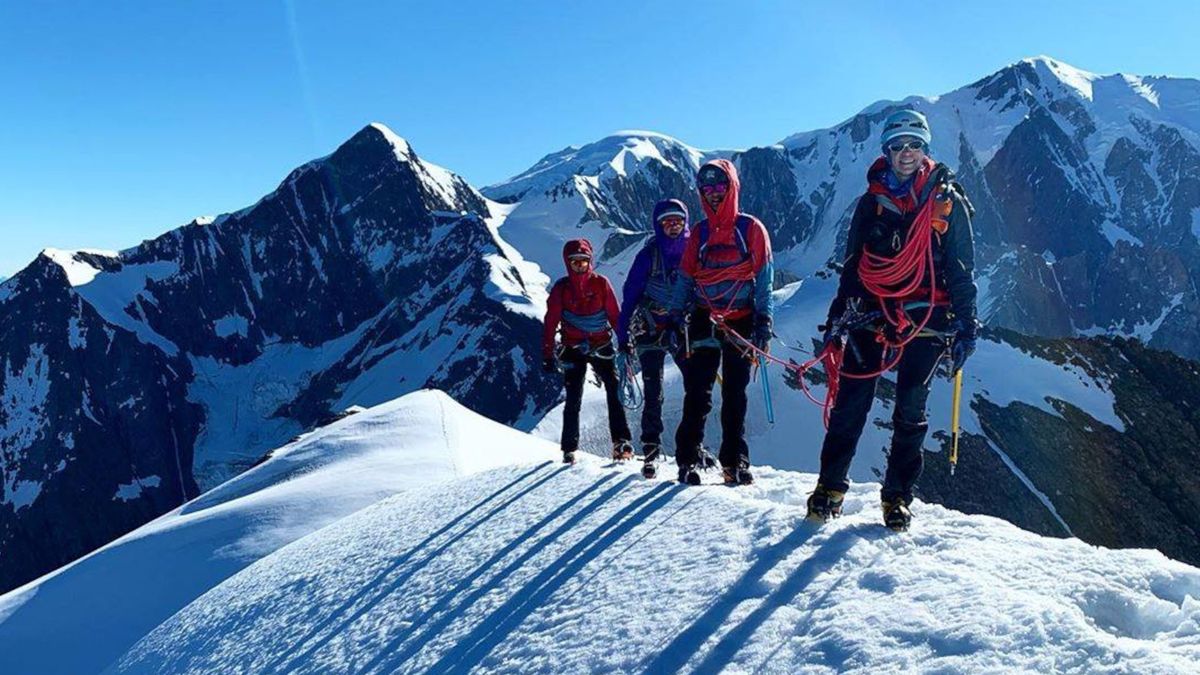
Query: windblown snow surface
x,y
537,567
80,618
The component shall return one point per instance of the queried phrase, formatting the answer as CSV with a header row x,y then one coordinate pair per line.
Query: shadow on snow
x,y
375,590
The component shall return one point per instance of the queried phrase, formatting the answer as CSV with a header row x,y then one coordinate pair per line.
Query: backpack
x,y
741,230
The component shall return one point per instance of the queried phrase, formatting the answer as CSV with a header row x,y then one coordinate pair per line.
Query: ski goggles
x,y
901,146
714,189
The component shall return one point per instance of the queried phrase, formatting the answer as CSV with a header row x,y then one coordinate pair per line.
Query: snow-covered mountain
x,y
134,380
533,567
1087,189
603,191
1097,438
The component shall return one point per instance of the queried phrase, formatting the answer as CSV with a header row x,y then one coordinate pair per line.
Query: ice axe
x,y
954,421
762,373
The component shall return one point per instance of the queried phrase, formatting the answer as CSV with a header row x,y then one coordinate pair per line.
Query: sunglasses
x,y
673,222
580,261
911,145
718,189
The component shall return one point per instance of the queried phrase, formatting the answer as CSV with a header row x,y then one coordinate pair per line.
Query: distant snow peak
x,y
644,135
1078,80
79,272
1140,87
622,153
404,151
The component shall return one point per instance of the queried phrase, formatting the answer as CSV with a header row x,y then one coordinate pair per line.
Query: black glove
x,y
549,365
827,337
965,332
762,333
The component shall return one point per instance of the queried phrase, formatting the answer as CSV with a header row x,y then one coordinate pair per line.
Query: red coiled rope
x,y
900,277
887,278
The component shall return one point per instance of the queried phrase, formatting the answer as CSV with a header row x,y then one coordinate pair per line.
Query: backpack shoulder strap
x,y
702,233
957,189
742,231
656,259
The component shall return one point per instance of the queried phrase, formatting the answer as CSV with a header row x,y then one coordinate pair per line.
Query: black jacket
x,y
878,224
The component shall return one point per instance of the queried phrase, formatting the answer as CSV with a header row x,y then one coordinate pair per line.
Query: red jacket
x,y
584,298
725,275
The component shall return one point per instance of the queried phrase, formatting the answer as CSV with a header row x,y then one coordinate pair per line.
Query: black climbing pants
x,y
850,410
698,379
653,363
575,365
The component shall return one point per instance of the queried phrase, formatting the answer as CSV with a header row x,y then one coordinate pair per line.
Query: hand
x,y
827,338
762,334
965,333
626,348
549,365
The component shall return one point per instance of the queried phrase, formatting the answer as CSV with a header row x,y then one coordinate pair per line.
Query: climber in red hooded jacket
x,y
583,309
724,287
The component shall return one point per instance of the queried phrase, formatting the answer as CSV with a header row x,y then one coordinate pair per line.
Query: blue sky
x,y
121,120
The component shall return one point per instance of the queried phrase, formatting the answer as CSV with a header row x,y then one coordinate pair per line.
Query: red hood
x,y
575,247
726,215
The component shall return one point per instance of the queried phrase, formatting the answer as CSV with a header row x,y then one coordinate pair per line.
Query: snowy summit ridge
x,y
536,567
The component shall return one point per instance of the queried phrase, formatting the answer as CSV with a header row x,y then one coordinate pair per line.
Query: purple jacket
x,y
654,268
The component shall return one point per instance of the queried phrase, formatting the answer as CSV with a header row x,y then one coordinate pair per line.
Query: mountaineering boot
x,y
622,451
688,475
896,515
706,459
824,504
649,471
568,456
650,453
737,475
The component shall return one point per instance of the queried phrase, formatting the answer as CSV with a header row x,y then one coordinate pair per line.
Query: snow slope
x,y
497,560
592,569
103,603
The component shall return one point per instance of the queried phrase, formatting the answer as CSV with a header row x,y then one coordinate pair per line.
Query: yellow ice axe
x,y
954,421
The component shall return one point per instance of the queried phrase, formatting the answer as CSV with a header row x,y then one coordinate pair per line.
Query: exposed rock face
x,y
95,427
135,380
1130,487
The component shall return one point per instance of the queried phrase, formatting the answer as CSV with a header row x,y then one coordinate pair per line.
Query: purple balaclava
x,y
671,249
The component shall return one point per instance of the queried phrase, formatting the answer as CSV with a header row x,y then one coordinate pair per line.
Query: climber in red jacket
x,y
583,309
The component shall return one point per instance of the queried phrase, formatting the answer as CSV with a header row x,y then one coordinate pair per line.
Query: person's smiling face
x,y
714,194
906,154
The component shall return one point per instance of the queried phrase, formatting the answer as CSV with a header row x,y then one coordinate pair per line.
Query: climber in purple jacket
x,y
643,326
